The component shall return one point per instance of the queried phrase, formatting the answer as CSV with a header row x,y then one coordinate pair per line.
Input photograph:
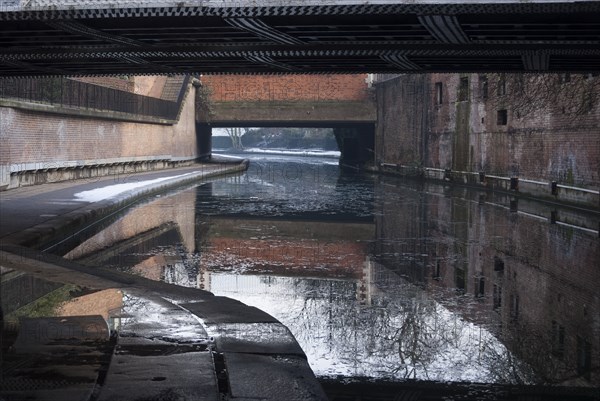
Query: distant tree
x,y
236,133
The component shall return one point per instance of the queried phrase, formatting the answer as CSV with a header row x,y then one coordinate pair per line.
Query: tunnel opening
x,y
352,144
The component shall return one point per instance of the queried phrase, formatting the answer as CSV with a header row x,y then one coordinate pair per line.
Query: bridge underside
x,y
297,37
327,114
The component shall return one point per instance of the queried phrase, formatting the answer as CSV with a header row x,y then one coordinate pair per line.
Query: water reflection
x,y
380,278
402,334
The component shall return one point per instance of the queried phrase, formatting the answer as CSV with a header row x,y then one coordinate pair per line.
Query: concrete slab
x,y
54,372
188,376
261,377
218,310
257,338
35,334
237,327
151,317
77,393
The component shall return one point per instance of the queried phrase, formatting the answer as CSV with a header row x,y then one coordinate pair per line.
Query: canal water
x,y
377,277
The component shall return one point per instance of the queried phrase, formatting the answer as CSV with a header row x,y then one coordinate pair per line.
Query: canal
x,y
380,278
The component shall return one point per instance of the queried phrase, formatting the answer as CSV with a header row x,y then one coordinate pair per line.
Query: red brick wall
x,y
227,88
550,143
34,137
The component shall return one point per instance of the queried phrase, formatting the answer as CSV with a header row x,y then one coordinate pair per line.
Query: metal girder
x,y
401,62
262,59
262,30
83,38
444,28
536,61
80,29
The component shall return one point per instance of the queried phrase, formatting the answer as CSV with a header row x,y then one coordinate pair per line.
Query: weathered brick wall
x,y
400,117
228,88
53,139
552,141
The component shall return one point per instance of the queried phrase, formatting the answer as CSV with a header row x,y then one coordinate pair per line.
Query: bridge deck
x,y
83,38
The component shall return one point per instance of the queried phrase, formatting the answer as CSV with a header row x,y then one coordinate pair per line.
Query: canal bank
x,y
34,216
111,335
518,187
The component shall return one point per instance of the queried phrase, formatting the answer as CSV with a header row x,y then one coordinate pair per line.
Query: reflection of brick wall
x,y
520,274
97,303
550,143
178,209
151,268
299,256
32,137
227,88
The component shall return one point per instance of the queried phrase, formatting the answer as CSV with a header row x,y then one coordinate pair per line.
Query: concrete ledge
x,y
79,112
279,112
25,174
518,186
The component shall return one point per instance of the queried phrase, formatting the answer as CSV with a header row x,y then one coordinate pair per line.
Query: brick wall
x,y
51,139
228,88
551,131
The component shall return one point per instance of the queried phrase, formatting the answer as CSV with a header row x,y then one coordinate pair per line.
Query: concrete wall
x,y
41,147
552,132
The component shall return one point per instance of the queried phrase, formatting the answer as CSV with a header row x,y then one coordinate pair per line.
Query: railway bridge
x,y
72,37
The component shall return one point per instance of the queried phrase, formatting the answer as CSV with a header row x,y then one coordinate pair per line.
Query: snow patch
x,y
98,194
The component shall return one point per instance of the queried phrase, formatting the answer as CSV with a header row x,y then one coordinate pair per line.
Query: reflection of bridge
x,y
41,37
284,247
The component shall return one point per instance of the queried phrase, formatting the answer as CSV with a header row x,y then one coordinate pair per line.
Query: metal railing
x,y
64,92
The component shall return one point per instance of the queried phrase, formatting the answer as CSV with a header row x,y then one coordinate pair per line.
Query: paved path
x,y
50,207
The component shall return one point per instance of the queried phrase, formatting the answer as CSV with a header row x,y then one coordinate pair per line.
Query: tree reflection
x,y
403,334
